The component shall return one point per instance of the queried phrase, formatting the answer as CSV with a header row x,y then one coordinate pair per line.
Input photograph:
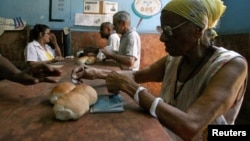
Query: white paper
x,y
92,19
110,7
91,6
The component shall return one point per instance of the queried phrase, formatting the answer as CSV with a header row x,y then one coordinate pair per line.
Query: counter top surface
x,y
26,115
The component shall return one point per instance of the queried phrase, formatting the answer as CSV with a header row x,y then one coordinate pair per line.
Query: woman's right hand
x,y
53,39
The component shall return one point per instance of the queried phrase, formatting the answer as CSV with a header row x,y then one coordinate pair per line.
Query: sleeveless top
x,y
195,86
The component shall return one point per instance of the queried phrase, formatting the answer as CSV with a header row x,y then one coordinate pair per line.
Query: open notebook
x,y
108,103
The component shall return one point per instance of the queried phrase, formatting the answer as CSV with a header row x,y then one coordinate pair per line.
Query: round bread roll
x,y
59,90
82,60
91,60
86,60
87,91
71,106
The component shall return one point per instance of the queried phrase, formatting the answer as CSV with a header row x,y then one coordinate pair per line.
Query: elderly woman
x,y
38,51
201,84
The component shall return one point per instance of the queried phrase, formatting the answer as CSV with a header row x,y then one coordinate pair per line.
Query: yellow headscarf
x,y
204,13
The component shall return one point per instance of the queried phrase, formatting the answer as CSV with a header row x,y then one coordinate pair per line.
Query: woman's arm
x,y
152,73
217,98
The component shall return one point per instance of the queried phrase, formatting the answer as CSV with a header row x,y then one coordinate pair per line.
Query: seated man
x,y
107,32
129,53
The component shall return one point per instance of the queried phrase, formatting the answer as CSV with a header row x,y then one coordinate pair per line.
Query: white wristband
x,y
136,95
153,106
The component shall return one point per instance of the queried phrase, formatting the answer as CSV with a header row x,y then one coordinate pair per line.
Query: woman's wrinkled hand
x,y
116,82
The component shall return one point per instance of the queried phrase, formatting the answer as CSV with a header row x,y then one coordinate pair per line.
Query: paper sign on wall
x,y
92,19
109,7
99,7
91,6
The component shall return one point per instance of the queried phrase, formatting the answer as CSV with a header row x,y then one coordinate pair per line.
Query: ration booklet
x,y
108,103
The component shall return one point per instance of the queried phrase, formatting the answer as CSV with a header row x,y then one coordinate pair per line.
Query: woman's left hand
x,y
119,82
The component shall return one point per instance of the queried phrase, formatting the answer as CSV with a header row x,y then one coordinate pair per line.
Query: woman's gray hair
x,y
123,16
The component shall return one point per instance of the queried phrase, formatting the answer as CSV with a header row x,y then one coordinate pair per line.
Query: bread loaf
x,y
91,60
86,60
82,60
87,91
71,106
60,90
75,103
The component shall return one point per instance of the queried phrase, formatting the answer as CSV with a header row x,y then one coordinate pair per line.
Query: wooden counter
x,y
27,115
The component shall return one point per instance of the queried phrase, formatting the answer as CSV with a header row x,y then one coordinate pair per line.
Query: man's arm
x,y
32,75
8,70
121,59
152,73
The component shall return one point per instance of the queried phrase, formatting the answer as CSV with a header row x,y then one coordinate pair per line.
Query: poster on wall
x,y
96,12
109,7
92,19
91,6
99,7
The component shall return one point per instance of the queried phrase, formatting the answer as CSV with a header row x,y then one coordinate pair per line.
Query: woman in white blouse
x,y
38,51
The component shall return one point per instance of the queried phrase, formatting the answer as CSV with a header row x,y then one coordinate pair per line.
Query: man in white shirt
x,y
107,32
129,53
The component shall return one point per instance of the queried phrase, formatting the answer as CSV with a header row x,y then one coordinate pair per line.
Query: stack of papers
x,y
108,103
